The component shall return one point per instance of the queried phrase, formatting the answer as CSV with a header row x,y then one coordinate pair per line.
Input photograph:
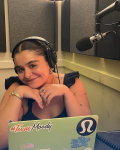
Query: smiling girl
x,y
38,92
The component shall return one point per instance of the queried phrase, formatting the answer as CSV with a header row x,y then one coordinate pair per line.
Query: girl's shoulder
x,y
13,79
67,79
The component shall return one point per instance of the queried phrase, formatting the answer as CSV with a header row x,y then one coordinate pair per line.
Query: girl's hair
x,y
38,47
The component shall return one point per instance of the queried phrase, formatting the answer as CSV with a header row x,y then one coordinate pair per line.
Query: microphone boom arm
x,y
113,7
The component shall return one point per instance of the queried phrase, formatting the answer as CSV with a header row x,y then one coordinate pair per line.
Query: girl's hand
x,y
27,92
49,91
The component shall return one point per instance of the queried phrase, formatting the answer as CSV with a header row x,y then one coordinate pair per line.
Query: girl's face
x,y
32,69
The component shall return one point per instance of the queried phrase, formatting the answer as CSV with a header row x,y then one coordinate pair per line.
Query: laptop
x,y
69,133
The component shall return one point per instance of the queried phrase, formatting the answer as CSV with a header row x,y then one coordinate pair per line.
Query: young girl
x,y
38,92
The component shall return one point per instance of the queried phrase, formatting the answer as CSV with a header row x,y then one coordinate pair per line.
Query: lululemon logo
x,y
86,126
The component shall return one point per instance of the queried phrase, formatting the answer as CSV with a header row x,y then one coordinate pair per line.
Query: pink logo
x,y
18,128
27,146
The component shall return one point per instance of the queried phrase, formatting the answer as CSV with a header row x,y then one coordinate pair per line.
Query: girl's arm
x,y
10,109
76,100
75,97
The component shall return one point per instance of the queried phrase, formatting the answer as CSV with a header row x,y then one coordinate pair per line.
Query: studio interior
x,y
85,38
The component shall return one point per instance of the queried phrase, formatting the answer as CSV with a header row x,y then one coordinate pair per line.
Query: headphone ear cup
x,y
54,57
51,57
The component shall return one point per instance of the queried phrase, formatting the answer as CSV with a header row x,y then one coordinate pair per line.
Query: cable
x,y
57,73
101,22
108,32
116,23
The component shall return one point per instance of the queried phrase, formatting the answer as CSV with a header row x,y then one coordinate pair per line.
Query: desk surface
x,y
107,140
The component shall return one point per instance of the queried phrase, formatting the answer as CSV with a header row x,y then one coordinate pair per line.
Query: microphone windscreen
x,y
84,44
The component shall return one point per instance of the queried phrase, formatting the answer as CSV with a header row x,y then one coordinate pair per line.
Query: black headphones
x,y
50,53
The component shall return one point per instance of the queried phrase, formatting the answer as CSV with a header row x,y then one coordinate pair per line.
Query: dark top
x,y
69,80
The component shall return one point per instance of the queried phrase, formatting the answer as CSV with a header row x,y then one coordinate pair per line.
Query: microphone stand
x,y
99,15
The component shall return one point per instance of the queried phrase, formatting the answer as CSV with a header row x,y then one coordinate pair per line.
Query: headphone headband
x,y
34,38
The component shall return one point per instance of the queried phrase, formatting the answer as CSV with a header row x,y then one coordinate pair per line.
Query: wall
x,y
101,78
6,63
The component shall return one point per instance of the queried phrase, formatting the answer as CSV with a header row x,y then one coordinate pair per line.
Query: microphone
x,y
113,7
87,42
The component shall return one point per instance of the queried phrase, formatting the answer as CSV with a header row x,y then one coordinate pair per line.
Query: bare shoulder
x,y
78,86
79,92
7,94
